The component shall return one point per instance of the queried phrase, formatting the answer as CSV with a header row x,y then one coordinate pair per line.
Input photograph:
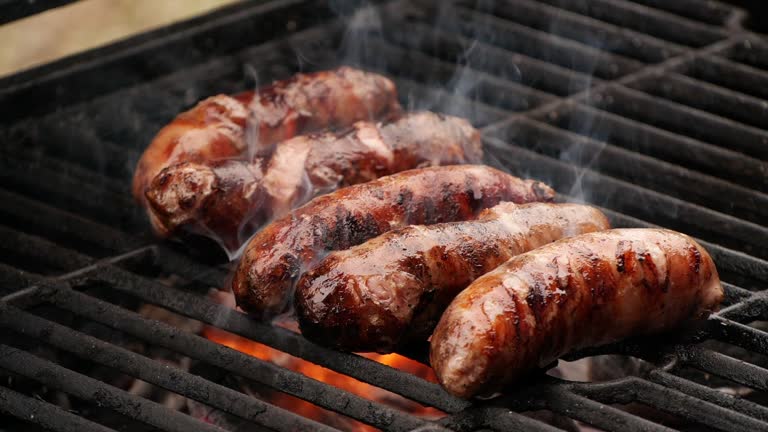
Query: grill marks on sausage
x,y
427,266
248,193
355,214
585,291
216,127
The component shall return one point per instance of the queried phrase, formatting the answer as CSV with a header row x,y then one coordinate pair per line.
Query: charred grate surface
x,y
656,111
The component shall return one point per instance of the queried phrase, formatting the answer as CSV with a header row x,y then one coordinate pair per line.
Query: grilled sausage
x,y
583,291
229,199
217,127
393,288
221,200
279,253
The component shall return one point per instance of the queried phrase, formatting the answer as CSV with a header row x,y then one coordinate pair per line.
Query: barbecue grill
x,y
655,111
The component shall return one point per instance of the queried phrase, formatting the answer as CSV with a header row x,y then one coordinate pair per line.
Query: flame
x,y
328,376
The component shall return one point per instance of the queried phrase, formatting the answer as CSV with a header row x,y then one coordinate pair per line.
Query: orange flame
x,y
309,410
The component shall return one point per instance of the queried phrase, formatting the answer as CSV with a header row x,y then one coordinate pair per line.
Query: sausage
x,y
229,199
217,127
392,289
583,291
277,255
221,200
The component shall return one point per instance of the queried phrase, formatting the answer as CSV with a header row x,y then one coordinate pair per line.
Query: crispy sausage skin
x,y
280,252
583,291
393,288
222,200
217,127
227,200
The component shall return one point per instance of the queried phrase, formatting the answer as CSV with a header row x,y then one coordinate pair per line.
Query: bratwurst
x,y
217,127
583,291
279,253
392,289
228,200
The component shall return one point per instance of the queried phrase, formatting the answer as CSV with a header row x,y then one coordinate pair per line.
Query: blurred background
x,y
87,24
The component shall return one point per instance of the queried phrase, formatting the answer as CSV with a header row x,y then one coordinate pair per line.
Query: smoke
x,y
380,39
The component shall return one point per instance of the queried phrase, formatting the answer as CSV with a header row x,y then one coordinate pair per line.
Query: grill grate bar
x,y
647,204
644,19
201,309
708,97
417,96
710,12
88,153
498,92
641,170
662,144
734,294
12,278
686,120
694,409
747,310
544,46
600,88
40,251
61,226
44,414
24,155
495,418
170,378
725,367
623,41
703,392
741,335
596,413
451,47
750,50
729,74
87,198
84,387
293,383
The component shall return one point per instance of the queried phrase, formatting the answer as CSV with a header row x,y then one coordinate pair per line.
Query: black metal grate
x,y
655,111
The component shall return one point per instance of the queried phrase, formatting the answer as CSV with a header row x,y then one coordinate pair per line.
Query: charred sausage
x,y
583,291
393,288
228,200
221,200
279,253
217,127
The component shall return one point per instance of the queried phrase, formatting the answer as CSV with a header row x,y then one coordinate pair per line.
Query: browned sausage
x,y
221,200
228,200
583,291
279,253
393,288
217,127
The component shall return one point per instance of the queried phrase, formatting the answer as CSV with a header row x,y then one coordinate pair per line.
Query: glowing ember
x,y
328,376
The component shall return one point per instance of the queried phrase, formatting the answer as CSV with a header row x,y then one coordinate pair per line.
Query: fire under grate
x,y
656,112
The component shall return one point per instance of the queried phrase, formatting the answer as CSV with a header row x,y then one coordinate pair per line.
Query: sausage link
x,y
223,126
221,200
392,289
279,253
583,291
228,200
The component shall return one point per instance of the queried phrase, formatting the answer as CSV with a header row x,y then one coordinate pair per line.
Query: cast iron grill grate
x,y
656,112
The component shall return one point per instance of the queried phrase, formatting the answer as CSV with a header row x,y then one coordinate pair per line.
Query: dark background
x,y
758,12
